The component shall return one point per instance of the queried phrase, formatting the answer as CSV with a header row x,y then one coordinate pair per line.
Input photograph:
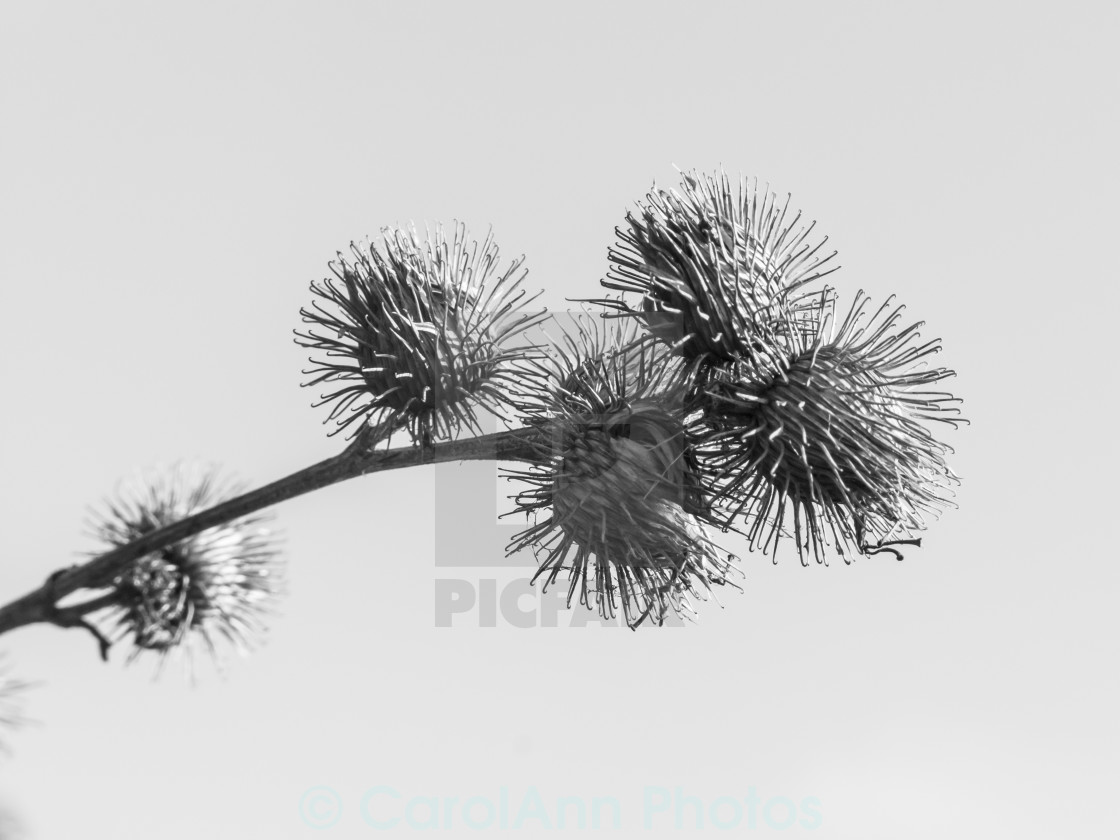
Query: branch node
x,y
73,616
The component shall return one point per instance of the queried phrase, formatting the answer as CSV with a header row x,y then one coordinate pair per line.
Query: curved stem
x,y
360,458
76,616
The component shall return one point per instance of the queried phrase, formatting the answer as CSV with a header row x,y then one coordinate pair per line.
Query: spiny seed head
x,y
415,333
11,698
215,584
615,498
825,439
716,269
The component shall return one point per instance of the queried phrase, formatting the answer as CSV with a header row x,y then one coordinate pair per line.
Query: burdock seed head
x,y
714,270
217,584
615,498
11,699
825,440
416,333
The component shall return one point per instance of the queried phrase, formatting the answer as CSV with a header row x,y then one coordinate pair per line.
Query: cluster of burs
x,y
718,385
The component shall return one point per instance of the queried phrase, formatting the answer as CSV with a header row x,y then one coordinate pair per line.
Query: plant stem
x,y
360,458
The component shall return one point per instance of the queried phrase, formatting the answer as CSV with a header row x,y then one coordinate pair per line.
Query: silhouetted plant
x,y
731,397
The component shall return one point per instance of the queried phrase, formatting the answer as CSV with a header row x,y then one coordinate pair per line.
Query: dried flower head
x,y
217,584
11,698
826,437
615,498
716,270
416,334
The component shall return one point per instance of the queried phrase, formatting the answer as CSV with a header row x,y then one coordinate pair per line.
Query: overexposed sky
x,y
174,175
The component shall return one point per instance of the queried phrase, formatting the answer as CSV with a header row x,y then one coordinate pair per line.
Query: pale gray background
x,y
174,176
